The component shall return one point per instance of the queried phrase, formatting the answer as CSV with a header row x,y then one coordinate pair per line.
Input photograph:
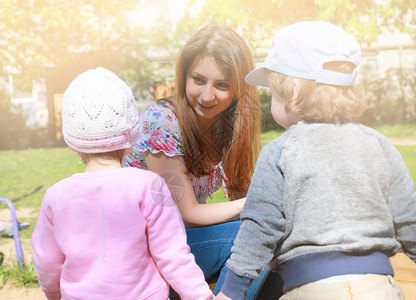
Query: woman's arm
x,y
172,169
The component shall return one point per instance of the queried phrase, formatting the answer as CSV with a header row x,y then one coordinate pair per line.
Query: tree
x,y
38,34
401,15
55,40
258,20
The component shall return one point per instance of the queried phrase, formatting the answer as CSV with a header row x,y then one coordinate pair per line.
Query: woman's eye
x,y
223,85
198,79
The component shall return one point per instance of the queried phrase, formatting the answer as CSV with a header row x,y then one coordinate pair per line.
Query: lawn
x,y
25,174
409,156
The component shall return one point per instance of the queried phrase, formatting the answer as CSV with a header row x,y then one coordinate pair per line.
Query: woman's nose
x,y
208,93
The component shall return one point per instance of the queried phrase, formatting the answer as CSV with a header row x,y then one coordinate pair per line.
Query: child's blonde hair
x,y
316,101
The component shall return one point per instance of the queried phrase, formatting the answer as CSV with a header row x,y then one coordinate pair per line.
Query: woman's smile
x,y
205,107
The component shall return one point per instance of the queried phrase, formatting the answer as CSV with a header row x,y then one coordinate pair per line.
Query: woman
x,y
208,135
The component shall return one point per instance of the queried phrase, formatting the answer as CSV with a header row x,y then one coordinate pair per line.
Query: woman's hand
x,y
221,296
172,169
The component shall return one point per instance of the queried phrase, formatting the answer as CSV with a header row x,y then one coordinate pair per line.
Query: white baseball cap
x,y
301,49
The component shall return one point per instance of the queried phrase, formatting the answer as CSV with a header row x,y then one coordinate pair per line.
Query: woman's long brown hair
x,y
234,137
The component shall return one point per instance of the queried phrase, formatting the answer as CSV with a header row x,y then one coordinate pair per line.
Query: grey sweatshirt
x,y
333,197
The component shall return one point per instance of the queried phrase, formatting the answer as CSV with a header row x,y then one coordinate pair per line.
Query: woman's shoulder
x,y
159,110
160,116
159,130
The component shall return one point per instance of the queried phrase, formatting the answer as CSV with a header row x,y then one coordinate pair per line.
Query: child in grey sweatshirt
x,y
330,200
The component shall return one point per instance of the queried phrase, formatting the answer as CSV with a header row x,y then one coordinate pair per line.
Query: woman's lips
x,y
204,107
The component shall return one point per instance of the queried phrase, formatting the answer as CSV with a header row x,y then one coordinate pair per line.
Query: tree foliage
x,y
258,20
400,14
39,34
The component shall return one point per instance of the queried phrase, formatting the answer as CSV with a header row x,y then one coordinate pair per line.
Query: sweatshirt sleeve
x,y
168,246
402,201
262,227
47,257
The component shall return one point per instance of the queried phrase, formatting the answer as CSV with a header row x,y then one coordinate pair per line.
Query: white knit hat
x,y
99,113
301,49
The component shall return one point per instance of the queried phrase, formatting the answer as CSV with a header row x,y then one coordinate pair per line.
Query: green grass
x,y
21,277
270,135
25,174
409,155
398,131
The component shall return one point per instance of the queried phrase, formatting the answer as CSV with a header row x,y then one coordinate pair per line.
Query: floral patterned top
x,y
159,131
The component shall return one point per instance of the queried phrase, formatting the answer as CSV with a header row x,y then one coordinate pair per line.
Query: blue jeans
x,y
211,246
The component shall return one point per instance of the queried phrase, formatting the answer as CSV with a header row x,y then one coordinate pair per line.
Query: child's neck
x,y
102,164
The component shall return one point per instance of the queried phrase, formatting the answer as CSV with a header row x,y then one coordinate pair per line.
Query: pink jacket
x,y
114,235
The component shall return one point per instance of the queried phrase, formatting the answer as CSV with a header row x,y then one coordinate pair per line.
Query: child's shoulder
x,y
372,132
371,135
283,138
130,173
307,128
135,178
57,187
275,146
303,132
137,172
63,181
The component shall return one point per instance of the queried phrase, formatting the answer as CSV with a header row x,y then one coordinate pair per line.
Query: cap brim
x,y
257,77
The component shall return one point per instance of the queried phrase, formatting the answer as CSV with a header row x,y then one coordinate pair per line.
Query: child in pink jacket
x,y
100,234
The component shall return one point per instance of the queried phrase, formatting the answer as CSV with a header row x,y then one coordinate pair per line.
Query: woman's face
x,y
208,90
